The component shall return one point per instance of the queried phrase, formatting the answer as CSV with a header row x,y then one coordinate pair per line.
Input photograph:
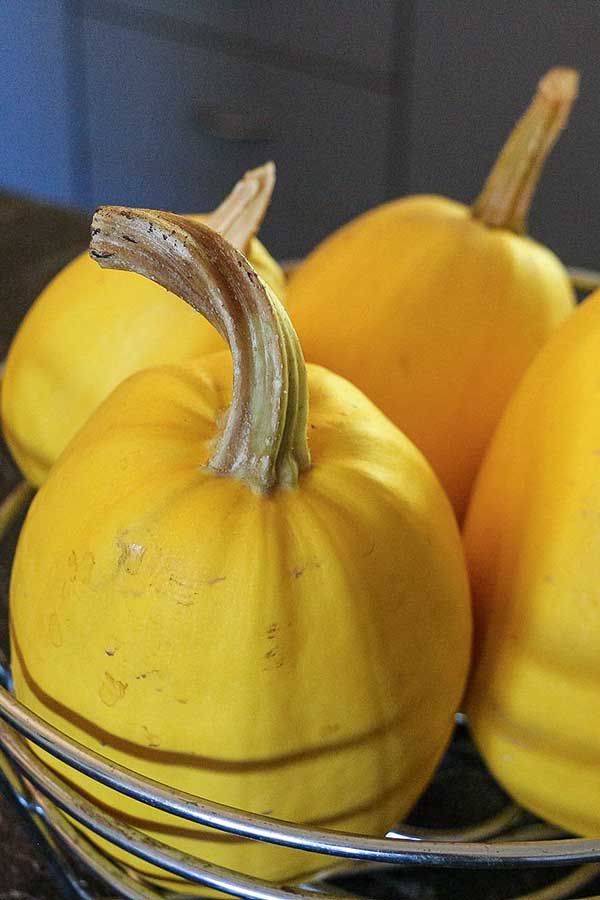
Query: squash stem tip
x,y
509,190
240,215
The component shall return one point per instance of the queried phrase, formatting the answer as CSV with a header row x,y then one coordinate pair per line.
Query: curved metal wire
x,y
490,828
82,849
117,878
134,841
13,786
566,886
478,846
558,890
406,849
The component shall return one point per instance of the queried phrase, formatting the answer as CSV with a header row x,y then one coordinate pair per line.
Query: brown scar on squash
x,y
86,567
55,631
300,569
112,690
216,580
72,564
152,740
143,675
131,556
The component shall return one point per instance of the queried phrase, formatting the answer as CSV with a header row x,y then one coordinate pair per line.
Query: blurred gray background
x,y
165,104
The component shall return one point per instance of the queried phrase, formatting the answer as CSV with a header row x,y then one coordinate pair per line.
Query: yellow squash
x,y
90,329
435,309
532,537
200,597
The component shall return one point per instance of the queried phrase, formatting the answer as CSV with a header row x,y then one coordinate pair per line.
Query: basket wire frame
x,y
47,799
502,841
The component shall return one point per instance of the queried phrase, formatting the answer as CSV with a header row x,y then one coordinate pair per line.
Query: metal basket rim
x,y
409,847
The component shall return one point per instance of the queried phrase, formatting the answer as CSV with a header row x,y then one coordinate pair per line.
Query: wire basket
x,y
498,842
511,838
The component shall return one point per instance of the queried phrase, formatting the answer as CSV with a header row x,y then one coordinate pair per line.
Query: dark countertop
x,y
35,242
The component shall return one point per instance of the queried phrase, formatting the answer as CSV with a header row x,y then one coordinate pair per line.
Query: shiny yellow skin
x,y
435,317
533,542
299,654
86,332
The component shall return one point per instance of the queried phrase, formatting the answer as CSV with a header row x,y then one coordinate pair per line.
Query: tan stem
x,y
240,215
508,192
263,441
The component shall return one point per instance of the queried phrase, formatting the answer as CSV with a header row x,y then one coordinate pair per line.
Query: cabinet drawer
x,y
354,33
174,126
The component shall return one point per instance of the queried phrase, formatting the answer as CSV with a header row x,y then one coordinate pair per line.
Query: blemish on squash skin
x,y
72,565
188,594
151,740
112,645
86,567
56,637
131,557
272,631
144,675
331,729
300,569
216,580
273,659
112,690
81,568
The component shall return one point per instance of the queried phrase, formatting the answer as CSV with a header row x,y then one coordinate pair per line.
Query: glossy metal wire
x,y
407,849
47,798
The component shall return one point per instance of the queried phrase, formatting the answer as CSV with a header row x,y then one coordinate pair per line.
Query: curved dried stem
x,y
240,215
508,192
263,441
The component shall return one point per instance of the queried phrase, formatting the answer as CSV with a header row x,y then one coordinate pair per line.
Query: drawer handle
x,y
235,125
